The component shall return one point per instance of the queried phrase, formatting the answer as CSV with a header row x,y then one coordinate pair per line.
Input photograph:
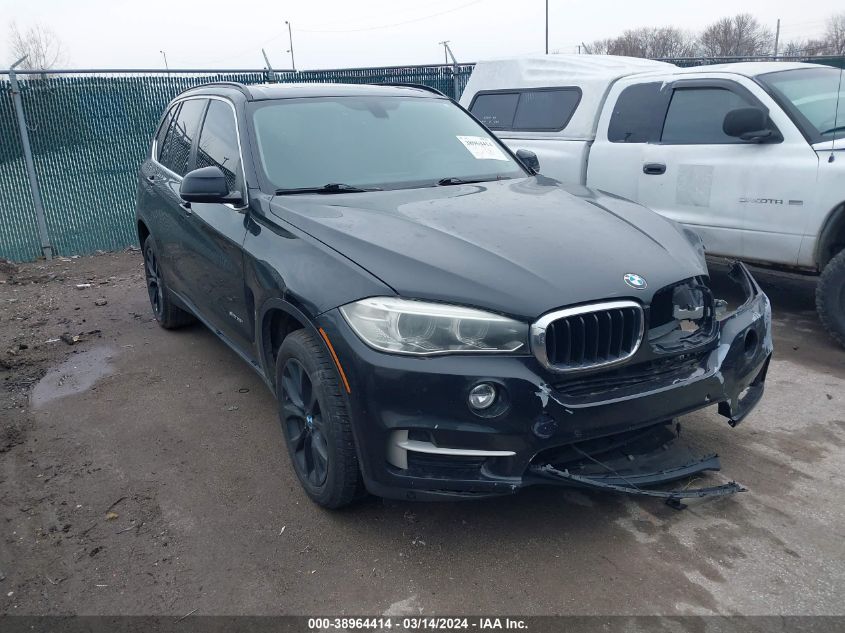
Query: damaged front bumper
x,y
649,457
417,438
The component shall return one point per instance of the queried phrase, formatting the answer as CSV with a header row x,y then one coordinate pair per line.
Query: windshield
x,y
812,93
374,142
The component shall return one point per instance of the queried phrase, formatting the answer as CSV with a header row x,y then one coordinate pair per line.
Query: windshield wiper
x,y
443,182
332,187
833,130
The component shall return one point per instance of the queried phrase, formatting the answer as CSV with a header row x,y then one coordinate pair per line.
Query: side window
x,y
495,110
161,136
695,116
218,144
637,115
546,109
176,152
527,110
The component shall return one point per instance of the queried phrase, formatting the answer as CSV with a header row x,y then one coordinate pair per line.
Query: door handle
x,y
186,207
654,169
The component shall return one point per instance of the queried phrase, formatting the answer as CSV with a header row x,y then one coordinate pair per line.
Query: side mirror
x,y
529,159
749,124
207,184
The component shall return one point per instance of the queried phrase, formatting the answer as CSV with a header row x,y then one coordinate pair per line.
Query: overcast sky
x,y
337,33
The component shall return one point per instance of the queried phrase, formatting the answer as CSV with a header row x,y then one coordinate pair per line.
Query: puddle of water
x,y
77,374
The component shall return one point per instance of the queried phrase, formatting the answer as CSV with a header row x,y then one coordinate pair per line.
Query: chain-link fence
x,y
89,132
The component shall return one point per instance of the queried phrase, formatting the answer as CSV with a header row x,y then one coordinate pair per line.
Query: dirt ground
x,y
143,472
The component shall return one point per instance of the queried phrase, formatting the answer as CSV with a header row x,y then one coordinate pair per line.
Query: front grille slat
x,y
616,333
567,336
578,340
592,336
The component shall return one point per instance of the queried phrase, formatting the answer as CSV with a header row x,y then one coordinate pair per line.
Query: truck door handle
x,y
654,169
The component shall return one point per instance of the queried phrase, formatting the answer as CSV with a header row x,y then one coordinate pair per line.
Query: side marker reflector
x,y
336,360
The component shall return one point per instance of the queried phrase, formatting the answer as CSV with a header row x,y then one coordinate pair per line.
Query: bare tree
x,y
599,47
804,48
649,42
41,46
669,41
835,34
741,35
831,43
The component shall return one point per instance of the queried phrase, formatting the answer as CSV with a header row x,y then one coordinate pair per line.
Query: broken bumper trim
x,y
562,476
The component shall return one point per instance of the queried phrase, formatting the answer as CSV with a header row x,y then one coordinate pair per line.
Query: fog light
x,y
482,396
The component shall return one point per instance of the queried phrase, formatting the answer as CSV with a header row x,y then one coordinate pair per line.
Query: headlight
x,y
406,326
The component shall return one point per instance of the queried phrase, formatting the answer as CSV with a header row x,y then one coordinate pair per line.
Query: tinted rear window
x,y
496,111
530,110
163,130
637,115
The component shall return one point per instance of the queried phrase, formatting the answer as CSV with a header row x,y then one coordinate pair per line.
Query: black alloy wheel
x,y
303,424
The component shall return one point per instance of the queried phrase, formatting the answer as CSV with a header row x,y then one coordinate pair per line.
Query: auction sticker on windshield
x,y
482,148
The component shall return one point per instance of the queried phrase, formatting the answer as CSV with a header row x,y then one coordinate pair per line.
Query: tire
x,y
830,297
168,314
316,423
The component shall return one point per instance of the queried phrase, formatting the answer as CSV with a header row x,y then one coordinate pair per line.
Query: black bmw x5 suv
x,y
435,318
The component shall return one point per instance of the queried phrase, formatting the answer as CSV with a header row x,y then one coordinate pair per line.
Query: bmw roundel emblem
x,y
635,281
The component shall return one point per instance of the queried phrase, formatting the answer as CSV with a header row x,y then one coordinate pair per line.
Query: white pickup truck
x,y
750,155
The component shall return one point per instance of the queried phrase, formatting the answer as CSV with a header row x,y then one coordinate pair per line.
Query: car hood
x,y
519,247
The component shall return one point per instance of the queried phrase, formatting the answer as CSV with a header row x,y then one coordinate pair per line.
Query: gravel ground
x,y
143,472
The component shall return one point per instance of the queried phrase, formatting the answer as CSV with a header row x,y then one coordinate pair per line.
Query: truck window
x,y
637,115
495,110
695,116
537,109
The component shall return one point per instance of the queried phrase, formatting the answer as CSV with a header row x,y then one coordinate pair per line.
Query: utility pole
x,y
290,50
777,38
163,54
447,51
271,74
547,27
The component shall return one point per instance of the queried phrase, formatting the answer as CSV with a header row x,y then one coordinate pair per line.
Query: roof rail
x,y
400,84
224,84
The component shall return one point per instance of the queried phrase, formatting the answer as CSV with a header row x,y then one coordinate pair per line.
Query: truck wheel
x,y
830,297
168,314
316,423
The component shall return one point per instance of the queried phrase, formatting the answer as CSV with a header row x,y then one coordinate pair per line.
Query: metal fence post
x,y
32,176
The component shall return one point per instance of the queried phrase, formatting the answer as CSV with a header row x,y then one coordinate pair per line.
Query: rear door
x,y
173,157
745,199
215,261
631,119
